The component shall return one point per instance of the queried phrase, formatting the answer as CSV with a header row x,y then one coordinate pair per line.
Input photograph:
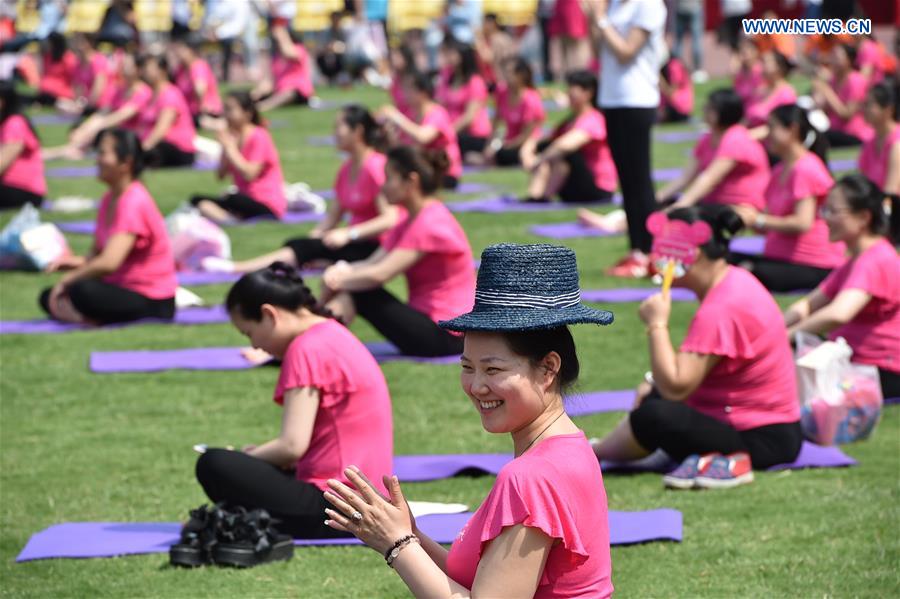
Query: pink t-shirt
x,y
57,77
181,133
293,74
27,171
870,54
748,82
268,187
556,488
874,334
357,196
442,283
353,425
853,89
875,157
808,178
762,104
150,267
596,151
87,73
446,139
529,109
753,384
138,96
746,182
199,71
456,99
682,99
399,98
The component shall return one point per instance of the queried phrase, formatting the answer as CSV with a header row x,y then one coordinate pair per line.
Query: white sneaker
x,y
216,264
700,76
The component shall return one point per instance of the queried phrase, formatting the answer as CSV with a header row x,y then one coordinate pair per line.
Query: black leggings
x,y
628,130
508,156
890,383
240,205
104,303
164,155
414,333
839,139
681,431
781,277
470,143
579,185
238,479
13,197
307,249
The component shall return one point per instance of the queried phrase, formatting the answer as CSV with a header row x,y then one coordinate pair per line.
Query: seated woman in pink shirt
x,y
428,126
726,400
748,78
337,410
93,83
462,91
164,125
676,92
879,159
357,190
840,90
429,248
21,168
730,167
775,90
575,162
194,77
250,157
130,272
519,114
290,82
543,530
58,68
874,60
798,254
860,300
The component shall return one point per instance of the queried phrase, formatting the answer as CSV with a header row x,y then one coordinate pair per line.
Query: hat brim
x,y
501,318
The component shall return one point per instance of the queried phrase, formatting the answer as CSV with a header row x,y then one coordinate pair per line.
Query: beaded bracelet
x,y
394,551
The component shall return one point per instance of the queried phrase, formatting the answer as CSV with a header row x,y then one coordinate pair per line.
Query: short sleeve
x,y
702,147
477,89
875,273
430,233
131,216
734,145
810,180
375,174
716,331
16,129
313,365
649,16
169,99
592,124
534,109
831,286
857,87
257,149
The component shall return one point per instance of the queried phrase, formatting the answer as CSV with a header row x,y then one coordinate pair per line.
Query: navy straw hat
x,y
526,288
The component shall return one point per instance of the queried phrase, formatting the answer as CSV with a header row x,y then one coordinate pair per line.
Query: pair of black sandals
x,y
230,536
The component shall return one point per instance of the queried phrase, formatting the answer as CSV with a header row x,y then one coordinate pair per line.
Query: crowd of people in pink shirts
x,y
722,404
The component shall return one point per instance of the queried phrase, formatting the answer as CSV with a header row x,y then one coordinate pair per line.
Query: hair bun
x,y
283,270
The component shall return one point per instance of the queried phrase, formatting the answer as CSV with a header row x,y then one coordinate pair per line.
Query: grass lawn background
x,y
77,446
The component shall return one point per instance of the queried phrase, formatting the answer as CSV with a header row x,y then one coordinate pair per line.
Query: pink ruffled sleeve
x,y
592,124
431,233
719,333
313,365
131,209
811,179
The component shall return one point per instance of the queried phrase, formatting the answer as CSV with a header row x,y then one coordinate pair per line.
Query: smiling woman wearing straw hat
x,y
543,529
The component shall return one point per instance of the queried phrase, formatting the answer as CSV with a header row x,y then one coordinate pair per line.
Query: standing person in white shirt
x,y
631,33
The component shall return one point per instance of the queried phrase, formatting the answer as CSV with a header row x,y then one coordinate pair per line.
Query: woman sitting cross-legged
x,y
428,247
130,272
726,400
357,190
337,408
543,529
860,300
164,124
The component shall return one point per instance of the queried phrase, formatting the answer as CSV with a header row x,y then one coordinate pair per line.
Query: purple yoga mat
x,y
748,245
78,227
891,401
507,204
568,231
473,187
320,141
185,316
633,294
596,402
677,137
421,468
87,227
90,170
198,278
53,119
110,539
219,358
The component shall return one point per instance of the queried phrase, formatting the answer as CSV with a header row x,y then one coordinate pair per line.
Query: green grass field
x,y
78,446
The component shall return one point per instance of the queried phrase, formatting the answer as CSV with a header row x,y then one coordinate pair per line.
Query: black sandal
x,y
198,537
249,539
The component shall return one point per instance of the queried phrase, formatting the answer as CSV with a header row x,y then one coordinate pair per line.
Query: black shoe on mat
x,y
249,539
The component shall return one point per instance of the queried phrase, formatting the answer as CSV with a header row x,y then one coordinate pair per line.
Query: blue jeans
x,y
693,23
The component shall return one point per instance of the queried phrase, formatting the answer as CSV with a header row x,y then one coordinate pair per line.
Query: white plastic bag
x,y
195,237
27,244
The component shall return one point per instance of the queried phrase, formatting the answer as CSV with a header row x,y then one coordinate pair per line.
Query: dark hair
x,y
863,195
190,40
430,165
422,82
851,53
248,105
885,94
784,64
728,106
409,58
468,62
159,59
723,221
492,17
279,285
788,115
56,45
535,345
356,115
523,69
127,147
585,80
12,104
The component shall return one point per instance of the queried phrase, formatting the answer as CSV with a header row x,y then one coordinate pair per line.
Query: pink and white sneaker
x,y
726,471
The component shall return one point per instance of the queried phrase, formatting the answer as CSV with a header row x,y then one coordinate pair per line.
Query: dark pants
x,y
164,155
670,115
240,205
681,431
414,333
890,383
781,277
238,479
579,185
449,182
628,130
839,139
13,197
104,303
508,156
307,249
470,143
545,48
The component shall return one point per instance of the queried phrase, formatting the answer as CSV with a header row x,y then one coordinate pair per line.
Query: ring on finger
x,y
356,516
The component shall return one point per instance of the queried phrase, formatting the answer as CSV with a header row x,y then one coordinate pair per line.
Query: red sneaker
x,y
635,265
726,471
